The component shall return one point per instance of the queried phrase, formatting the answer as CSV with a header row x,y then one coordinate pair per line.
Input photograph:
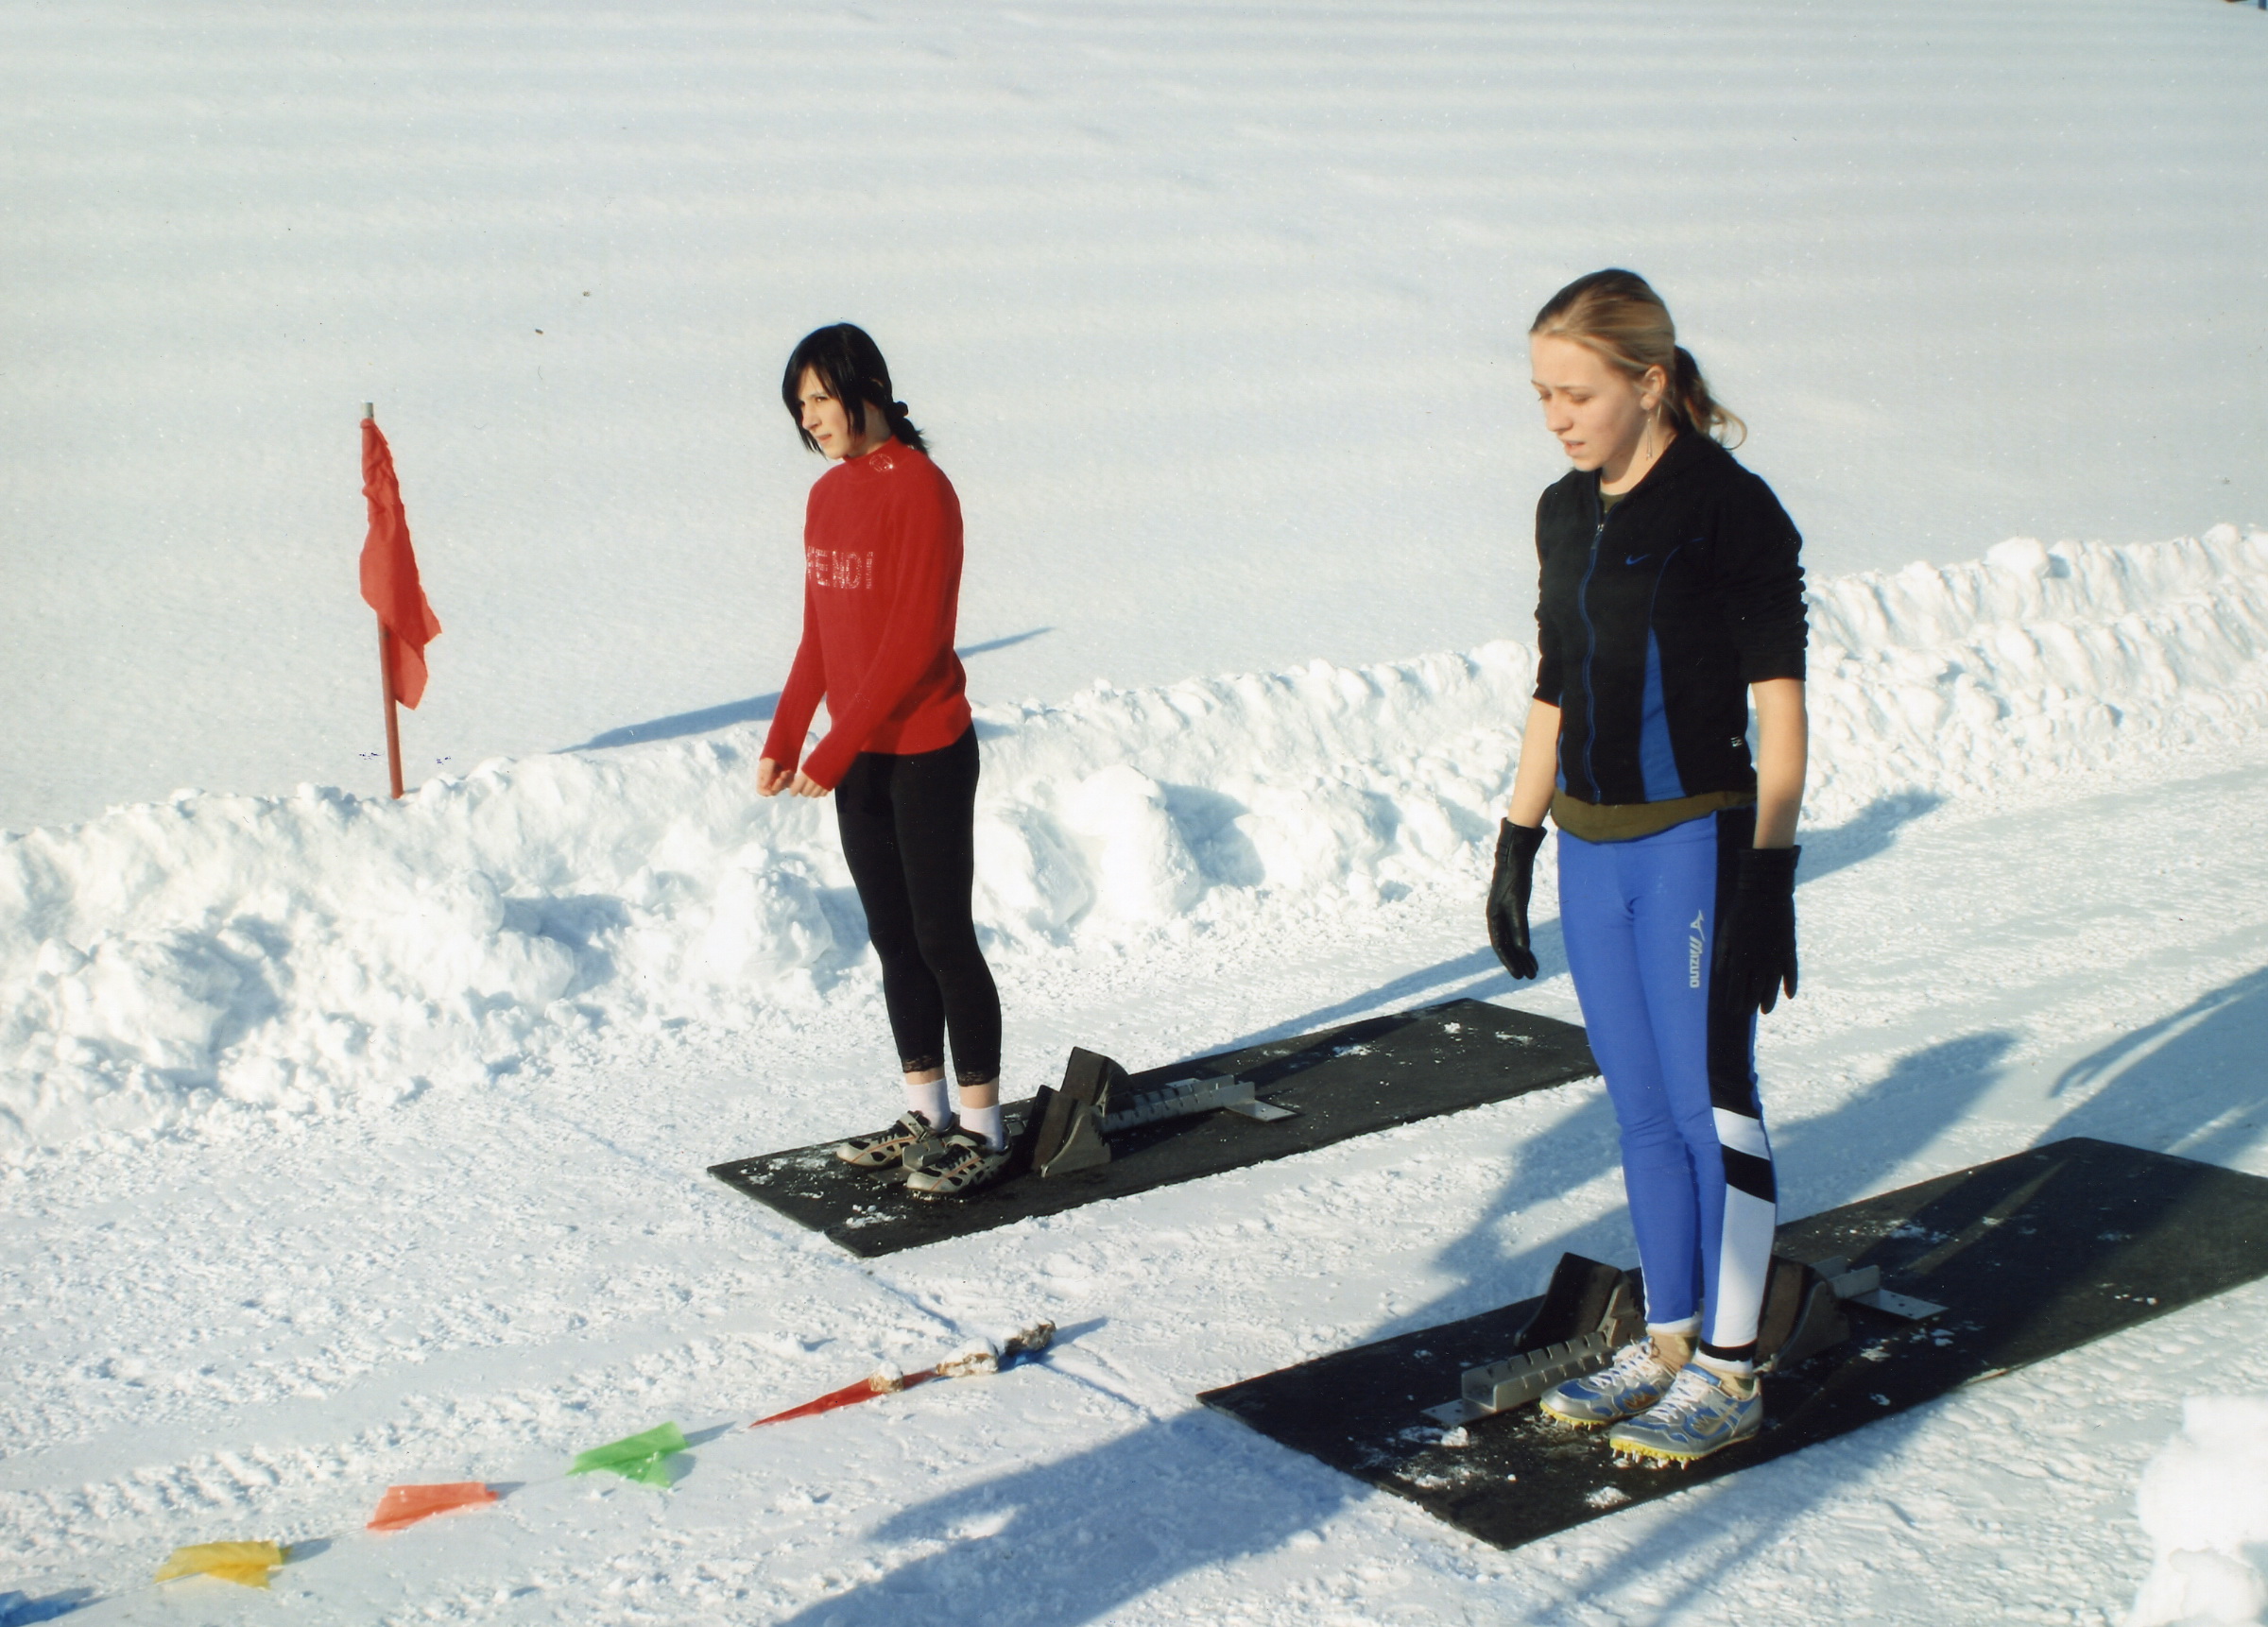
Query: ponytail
x,y
1618,315
1699,410
902,427
850,365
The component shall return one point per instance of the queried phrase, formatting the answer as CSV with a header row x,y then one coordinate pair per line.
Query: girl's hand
x,y
770,778
806,786
1508,890
1756,939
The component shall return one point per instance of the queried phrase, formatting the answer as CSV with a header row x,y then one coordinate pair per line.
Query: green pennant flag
x,y
642,1458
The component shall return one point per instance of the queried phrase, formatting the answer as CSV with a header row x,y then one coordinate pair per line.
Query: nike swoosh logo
x,y
1635,560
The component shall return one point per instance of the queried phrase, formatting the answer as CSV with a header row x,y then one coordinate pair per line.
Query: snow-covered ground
x,y
345,1144
241,1308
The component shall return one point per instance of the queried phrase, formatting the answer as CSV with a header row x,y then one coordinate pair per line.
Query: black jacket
x,y
1653,621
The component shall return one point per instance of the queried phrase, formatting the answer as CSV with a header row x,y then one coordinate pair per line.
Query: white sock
x,y
985,1122
1743,1371
928,1101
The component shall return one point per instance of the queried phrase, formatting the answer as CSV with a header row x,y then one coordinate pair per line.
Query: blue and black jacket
x,y
1654,619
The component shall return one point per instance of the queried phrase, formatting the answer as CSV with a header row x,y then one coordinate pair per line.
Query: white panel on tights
x,y
1744,1255
1742,1133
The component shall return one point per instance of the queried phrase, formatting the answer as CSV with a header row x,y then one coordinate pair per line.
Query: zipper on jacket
x,y
1590,640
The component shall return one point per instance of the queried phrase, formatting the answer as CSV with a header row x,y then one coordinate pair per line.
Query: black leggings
x,y
909,826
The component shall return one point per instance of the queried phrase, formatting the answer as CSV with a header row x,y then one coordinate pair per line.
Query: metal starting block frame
x,y
1095,1101
1591,1310
1183,1097
1589,1313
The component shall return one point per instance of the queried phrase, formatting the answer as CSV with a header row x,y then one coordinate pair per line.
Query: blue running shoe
x,y
1633,1380
1702,1413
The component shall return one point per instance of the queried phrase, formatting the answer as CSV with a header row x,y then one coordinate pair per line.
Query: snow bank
x,y
2033,660
293,953
2204,1504
302,952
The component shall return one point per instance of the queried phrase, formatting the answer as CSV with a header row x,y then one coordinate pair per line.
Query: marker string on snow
x,y
1033,1340
641,1457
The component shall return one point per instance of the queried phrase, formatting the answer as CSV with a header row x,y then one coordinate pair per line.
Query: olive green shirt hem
x,y
1628,821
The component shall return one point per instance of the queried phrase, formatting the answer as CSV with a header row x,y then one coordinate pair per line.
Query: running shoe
x,y
1703,1412
1633,1380
967,1163
910,1142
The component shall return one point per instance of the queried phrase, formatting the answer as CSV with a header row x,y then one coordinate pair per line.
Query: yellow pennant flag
x,y
246,1564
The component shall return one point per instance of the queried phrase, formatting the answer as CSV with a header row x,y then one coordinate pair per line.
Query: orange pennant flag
x,y
389,571
406,1505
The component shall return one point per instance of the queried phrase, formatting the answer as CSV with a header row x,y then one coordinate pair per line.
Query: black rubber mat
x,y
1344,1082
2032,1255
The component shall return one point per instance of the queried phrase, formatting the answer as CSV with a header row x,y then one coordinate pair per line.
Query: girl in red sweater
x,y
881,579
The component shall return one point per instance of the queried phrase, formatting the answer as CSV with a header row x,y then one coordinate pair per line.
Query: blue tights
x,y
1640,922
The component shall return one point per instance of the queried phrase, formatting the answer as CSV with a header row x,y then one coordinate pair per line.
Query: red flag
x,y
850,1395
389,571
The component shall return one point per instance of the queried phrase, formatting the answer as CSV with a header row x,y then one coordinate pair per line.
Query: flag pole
x,y
393,726
386,680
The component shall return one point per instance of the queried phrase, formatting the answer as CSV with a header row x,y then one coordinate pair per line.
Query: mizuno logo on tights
x,y
1693,948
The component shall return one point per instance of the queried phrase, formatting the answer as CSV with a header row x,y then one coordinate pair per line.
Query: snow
x,y
2205,1504
1215,314
284,955
250,1320
347,1143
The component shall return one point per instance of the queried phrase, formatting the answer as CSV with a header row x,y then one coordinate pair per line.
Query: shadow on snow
x,y
21,1609
1074,1539
756,709
1475,974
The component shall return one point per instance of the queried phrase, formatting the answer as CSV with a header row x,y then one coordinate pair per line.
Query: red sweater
x,y
881,586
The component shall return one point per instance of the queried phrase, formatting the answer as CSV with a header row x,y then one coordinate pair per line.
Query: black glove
x,y
1508,890
1756,941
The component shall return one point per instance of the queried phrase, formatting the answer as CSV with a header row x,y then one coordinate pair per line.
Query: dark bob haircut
x,y
850,365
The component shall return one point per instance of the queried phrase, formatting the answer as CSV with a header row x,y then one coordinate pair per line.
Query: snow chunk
x,y
2204,1502
1143,870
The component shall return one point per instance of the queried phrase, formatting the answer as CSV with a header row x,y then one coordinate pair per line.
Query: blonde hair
x,y
1618,315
